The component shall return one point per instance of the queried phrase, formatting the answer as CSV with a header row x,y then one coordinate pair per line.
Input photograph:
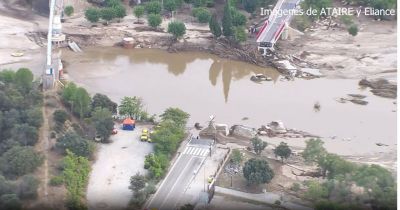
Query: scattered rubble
x,y
243,131
354,98
278,129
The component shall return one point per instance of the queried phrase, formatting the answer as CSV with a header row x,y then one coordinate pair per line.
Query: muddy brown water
x,y
204,85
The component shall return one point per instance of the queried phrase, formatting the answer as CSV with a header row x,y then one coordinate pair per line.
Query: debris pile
x,y
243,131
380,87
278,129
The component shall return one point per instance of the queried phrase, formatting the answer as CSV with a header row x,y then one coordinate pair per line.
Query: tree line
x,y
20,120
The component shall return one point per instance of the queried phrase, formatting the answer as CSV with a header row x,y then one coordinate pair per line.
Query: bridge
x,y
53,67
276,23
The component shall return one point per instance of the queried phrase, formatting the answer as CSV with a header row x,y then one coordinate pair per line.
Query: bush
x,y
153,7
240,34
60,116
19,161
10,202
203,16
154,20
28,187
238,18
76,175
69,10
76,144
5,186
108,13
295,187
120,11
177,29
353,30
138,11
92,15
56,181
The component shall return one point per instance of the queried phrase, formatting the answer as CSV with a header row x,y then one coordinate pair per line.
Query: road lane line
x,y
204,153
195,151
184,152
176,181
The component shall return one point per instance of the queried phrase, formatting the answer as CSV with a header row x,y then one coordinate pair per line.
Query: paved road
x,y
177,180
269,33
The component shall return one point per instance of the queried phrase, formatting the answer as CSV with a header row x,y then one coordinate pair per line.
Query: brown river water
x,y
204,85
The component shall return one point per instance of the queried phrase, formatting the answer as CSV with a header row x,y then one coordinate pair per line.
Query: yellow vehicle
x,y
149,140
145,131
144,137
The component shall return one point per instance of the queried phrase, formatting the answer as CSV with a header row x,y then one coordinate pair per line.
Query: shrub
x,y
108,13
92,15
177,29
295,187
19,161
154,20
10,202
119,11
353,30
60,116
76,144
28,187
69,10
138,11
56,181
203,16
153,7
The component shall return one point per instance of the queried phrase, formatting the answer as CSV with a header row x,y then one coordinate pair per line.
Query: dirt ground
x,y
116,163
371,53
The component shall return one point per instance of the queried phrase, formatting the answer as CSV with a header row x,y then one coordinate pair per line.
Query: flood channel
x,y
203,85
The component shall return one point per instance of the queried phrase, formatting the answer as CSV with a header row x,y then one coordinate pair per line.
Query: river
x,y
204,85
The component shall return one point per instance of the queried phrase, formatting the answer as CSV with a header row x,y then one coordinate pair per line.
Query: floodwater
x,y
204,85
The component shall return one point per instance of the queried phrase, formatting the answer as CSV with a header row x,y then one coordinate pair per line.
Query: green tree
x,y
60,116
153,7
81,102
236,156
23,79
131,106
154,20
138,11
10,202
314,150
137,182
283,151
103,122
76,175
240,34
103,101
112,3
120,11
69,10
258,145
316,191
5,186
250,5
27,189
238,18
227,27
25,134
19,161
74,143
92,15
215,27
108,14
178,116
34,116
353,30
170,5
257,171
177,29
203,15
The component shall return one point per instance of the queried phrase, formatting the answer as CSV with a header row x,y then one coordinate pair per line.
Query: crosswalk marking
x,y
196,151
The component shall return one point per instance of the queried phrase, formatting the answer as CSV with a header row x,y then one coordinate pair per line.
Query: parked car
x,y
114,131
